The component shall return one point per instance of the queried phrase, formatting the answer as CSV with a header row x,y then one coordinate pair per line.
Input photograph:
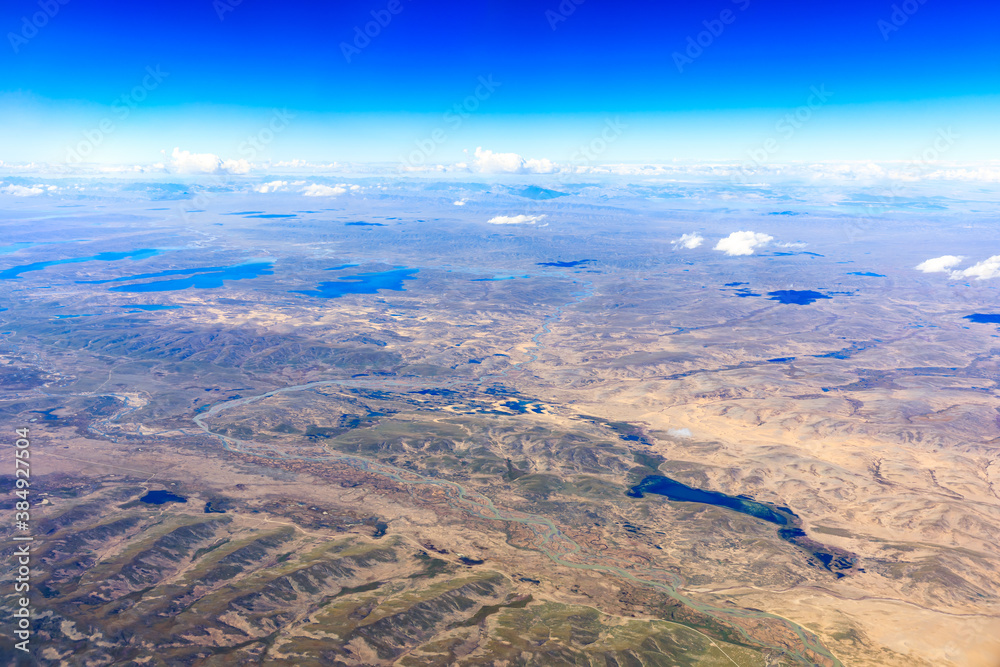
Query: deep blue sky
x,y
605,58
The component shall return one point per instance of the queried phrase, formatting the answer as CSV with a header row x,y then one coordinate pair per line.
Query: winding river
x,y
549,539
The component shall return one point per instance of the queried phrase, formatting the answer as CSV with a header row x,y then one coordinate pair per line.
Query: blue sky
x,y
896,73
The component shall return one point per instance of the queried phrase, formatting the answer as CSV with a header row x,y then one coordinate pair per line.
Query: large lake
x,y
831,558
209,277
16,271
362,283
799,297
674,490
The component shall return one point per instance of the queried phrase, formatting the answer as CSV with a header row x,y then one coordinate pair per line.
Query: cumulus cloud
x,y
689,241
317,190
186,162
743,243
459,202
988,268
515,219
273,186
24,191
679,432
489,162
939,264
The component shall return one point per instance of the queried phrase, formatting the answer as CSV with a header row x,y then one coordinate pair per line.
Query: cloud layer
x,y
488,162
743,243
186,162
689,241
515,219
318,190
939,264
984,270
24,191
273,186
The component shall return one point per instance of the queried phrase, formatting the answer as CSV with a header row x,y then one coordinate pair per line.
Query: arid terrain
x,y
395,434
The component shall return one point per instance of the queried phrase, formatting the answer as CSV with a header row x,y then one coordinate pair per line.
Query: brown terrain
x,y
436,473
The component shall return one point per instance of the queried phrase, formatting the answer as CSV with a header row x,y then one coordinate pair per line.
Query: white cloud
x,y
790,244
459,202
186,162
317,190
515,219
489,162
273,186
939,264
543,166
764,174
743,243
127,168
988,268
320,190
22,191
689,241
679,432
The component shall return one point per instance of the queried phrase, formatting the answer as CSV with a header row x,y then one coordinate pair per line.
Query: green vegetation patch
x,y
540,483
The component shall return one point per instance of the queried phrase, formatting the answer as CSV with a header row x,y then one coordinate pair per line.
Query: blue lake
x,y
796,296
16,271
868,274
983,318
832,559
157,274
673,490
161,497
566,265
204,278
362,283
150,307
737,290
